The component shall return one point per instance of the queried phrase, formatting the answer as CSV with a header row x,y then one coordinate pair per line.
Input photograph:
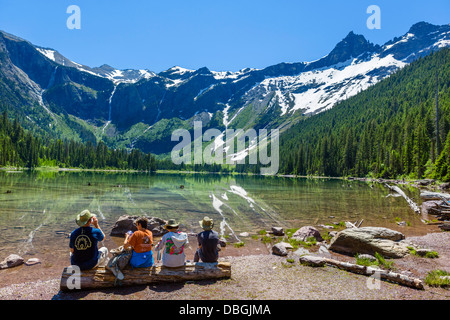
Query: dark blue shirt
x,y
84,241
209,240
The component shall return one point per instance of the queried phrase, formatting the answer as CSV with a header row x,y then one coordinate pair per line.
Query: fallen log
x,y
428,195
102,278
411,203
378,273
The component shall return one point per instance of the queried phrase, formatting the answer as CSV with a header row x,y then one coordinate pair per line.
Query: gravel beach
x,y
257,274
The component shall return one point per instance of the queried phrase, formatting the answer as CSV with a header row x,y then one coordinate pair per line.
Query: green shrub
x,y
365,261
382,262
266,239
434,278
431,254
290,232
239,244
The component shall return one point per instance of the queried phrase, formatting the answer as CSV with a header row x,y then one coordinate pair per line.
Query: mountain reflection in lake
x,y
38,207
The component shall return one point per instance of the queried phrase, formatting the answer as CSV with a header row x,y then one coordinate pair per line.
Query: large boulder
x,y
305,232
368,240
125,223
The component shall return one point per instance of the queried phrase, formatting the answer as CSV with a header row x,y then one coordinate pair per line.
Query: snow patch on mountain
x,y
48,53
320,89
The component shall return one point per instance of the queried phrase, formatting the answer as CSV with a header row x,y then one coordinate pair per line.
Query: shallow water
x,y
40,207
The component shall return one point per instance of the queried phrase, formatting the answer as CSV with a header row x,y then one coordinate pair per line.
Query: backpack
x,y
121,258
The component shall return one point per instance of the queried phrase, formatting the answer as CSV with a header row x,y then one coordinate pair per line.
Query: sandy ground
x,y
257,274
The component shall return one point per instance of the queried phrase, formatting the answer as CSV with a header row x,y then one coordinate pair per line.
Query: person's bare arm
x,y
125,242
95,224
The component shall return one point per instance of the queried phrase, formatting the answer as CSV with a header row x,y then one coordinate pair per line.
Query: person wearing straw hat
x,y
172,245
208,242
83,242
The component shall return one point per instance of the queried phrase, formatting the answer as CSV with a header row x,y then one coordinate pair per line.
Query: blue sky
x,y
221,35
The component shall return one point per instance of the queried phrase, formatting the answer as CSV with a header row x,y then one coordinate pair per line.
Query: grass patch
x,y
383,262
430,255
266,239
340,224
300,243
326,236
239,244
365,261
290,232
434,278
379,262
262,232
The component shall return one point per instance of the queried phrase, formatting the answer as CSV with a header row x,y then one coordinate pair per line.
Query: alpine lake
x,y
38,209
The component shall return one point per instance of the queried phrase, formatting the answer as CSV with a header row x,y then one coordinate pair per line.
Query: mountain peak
x,y
352,46
203,71
422,28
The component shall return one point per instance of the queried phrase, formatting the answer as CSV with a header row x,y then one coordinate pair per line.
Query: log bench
x,y
103,278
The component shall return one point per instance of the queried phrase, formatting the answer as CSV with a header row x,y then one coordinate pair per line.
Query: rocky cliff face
x,y
129,108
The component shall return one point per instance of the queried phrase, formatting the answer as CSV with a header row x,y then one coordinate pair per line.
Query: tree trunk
x,y
103,278
411,203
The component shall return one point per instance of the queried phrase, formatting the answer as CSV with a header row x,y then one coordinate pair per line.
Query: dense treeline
x,y
19,148
390,130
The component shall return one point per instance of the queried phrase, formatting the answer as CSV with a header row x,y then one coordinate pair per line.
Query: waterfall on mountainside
x,y
110,102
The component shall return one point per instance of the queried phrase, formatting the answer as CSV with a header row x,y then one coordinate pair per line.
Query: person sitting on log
x,y
83,242
141,241
208,242
172,244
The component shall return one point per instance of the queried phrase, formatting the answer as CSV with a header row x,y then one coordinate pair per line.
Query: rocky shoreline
x,y
266,267
258,272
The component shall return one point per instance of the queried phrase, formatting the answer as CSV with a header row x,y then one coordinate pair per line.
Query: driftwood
x,y
442,208
411,203
428,195
355,225
377,273
103,278
360,223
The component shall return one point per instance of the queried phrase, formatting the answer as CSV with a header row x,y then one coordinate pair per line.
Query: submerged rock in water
x,y
32,261
13,260
125,223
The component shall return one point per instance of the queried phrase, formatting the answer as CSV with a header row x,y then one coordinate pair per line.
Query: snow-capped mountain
x,y
351,67
105,71
139,108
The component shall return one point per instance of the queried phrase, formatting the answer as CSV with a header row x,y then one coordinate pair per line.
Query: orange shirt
x,y
141,241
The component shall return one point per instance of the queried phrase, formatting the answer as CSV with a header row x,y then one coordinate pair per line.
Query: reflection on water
x,y
41,206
